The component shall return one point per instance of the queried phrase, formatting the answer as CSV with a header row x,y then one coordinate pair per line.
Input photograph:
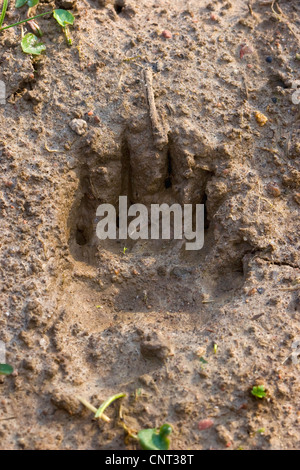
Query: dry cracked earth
x,y
187,102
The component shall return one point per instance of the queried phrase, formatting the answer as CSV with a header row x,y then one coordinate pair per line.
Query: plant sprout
x,y
31,44
108,402
64,18
203,362
261,431
35,27
259,391
93,409
149,439
99,413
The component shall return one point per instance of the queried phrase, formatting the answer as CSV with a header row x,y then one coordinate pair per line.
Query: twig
x,y
276,13
159,136
290,288
52,150
280,15
250,7
130,432
272,151
246,87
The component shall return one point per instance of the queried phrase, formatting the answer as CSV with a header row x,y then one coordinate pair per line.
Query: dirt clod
x,y
79,126
66,403
155,345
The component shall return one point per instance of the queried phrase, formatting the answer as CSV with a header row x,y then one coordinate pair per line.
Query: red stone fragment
x,y
167,34
205,424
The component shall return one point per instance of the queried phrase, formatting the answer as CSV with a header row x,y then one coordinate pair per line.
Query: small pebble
x,y
269,59
246,50
274,100
79,126
297,198
273,190
205,424
167,34
252,291
261,118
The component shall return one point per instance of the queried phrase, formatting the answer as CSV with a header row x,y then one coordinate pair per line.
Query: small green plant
x,y
149,439
6,369
203,362
30,43
153,439
259,391
261,431
64,18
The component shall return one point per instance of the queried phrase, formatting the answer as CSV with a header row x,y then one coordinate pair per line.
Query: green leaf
x,y
259,391
63,17
151,439
20,3
32,3
31,44
202,360
5,369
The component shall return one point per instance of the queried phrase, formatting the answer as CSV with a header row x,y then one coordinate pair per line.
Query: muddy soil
x,y
186,335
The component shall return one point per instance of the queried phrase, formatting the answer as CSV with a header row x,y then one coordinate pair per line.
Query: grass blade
x,y
26,21
4,8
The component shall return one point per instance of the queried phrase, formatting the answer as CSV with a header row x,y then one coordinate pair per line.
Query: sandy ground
x,y
83,318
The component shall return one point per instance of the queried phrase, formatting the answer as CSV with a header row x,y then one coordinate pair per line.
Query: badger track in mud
x,y
147,175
